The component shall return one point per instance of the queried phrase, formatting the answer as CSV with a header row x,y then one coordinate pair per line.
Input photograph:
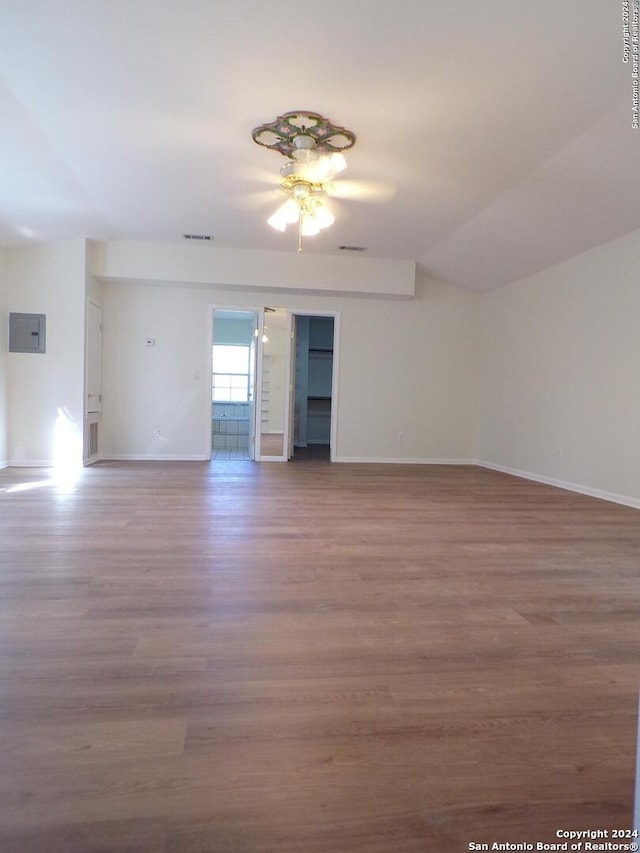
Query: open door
x,y
274,385
292,384
93,383
93,401
253,363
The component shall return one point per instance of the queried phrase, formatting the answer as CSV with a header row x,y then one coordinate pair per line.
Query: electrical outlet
x,y
401,436
159,433
558,452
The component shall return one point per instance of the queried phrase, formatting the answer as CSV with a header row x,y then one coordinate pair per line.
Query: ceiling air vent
x,y
197,237
352,248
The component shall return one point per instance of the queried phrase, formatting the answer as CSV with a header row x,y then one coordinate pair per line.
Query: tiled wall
x,y
230,426
231,410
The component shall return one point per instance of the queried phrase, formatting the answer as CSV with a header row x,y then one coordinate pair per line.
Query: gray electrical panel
x,y
27,332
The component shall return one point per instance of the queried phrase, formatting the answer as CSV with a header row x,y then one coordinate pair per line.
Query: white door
x,y
253,361
274,385
93,402
292,384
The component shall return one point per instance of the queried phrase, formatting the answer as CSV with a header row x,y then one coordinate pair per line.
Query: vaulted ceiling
x,y
503,126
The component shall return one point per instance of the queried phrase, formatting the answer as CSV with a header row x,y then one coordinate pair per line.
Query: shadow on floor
x,y
316,452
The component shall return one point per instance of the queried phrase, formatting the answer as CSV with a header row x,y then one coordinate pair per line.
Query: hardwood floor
x,y
312,658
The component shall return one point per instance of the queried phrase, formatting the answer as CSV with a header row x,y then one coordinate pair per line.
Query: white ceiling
x,y
504,125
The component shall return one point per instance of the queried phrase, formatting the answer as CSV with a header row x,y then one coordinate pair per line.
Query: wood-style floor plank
x,y
311,658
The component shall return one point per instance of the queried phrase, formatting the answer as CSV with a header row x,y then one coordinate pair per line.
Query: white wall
x,y
151,389
4,396
561,368
47,279
505,377
405,366
195,263
410,367
93,287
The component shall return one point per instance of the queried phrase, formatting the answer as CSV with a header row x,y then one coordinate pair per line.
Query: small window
x,y
230,373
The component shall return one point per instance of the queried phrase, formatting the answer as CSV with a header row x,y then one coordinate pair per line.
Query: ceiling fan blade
x,y
258,174
371,191
339,210
256,200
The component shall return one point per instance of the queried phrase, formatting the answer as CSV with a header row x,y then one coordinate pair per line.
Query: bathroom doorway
x,y
233,385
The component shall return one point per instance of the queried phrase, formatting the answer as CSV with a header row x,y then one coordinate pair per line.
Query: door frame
x,y
92,303
290,378
257,391
91,418
335,372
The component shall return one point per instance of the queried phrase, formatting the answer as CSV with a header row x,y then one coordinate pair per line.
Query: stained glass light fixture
x,y
313,147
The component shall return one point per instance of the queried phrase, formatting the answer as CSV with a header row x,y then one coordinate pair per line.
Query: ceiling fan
x,y
314,150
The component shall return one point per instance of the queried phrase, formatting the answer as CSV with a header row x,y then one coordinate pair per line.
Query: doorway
x,y
233,385
93,382
314,414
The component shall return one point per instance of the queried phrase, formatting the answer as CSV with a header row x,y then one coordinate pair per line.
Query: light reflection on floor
x,y
64,481
26,487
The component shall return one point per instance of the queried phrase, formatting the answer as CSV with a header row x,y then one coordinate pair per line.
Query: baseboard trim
x,y
30,463
152,457
371,460
612,497
579,488
87,463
